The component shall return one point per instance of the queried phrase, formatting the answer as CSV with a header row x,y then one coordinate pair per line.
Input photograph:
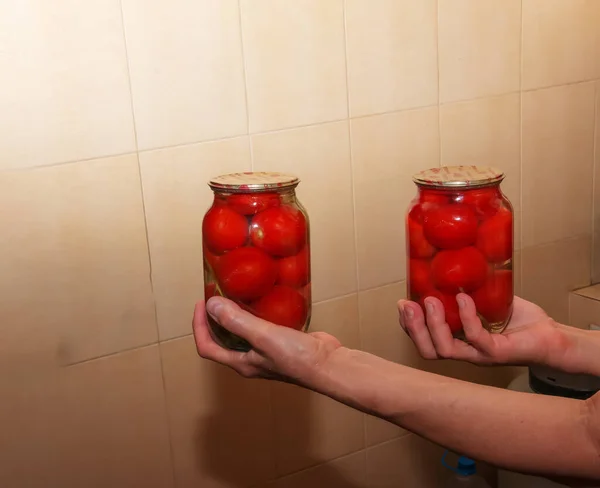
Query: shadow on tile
x,y
234,454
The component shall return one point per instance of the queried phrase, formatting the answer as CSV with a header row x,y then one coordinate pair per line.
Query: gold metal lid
x,y
458,176
259,181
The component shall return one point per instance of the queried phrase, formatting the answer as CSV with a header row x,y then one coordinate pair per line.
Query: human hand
x,y
278,353
531,337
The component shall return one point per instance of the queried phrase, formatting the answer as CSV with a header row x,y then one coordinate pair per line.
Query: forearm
x,y
528,433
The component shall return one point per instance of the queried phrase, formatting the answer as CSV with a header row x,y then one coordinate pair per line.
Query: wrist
x,y
574,351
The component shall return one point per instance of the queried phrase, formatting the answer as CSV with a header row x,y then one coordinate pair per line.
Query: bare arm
x,y
583,355
518,431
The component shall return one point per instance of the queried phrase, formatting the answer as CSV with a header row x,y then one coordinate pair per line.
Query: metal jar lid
x,y
458,177
253,181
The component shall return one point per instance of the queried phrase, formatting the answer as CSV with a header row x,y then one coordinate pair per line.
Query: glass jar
x,y
256,246
459,238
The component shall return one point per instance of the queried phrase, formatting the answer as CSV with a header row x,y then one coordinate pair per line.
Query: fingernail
x,y
429,307
461,302
213,307
408,313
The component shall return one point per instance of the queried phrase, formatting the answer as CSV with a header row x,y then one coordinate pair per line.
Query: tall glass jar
x,y
459,235
256,246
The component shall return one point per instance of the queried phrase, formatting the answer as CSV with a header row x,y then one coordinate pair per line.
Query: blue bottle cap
x,y
466,466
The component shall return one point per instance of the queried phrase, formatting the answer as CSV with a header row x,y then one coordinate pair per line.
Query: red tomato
x,y
211,259
252,203
494,299
224,230
279,231
427,200
418,247
294,271
459,270
419,276
282,306
484,201
210,291
246,273
450,226
450,308
495,236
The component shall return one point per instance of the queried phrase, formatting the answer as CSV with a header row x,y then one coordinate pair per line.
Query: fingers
x,y
205,344
439,330
412,321
241,323
472,327
431,334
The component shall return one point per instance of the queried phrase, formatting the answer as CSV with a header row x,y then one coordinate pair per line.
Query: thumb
x,y
237,321
475,333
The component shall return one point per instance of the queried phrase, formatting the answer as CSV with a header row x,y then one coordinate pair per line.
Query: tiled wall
x,y
113,114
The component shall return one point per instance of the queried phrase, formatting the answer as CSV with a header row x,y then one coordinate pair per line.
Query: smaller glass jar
x,y
459,236
256,247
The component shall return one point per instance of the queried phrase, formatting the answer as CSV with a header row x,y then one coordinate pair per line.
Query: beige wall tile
x,y
310,428
65,93
386,151
346,472
558,128
583,311
480,42
517,273
408,461
552,270
295,62
176,196
220,423
592,291
485,132
392,55
97,424
561,43
75,268
320,156
187,71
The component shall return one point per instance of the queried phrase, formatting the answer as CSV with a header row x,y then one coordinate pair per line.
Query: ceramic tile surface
x,y
561,42
558,148
187,71
392,55
480,43
295,66
65,92
75,263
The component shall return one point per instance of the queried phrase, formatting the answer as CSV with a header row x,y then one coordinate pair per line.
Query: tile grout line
x,y
596,131
439,100
154,305
353,187
245,69
521,228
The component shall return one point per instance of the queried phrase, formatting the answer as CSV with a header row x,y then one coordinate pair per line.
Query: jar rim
x,y
459,177
253,181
